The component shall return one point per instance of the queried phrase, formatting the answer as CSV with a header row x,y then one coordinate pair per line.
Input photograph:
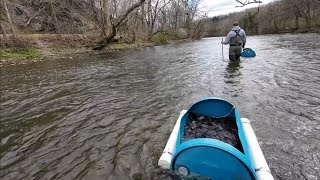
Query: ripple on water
x,y
110,117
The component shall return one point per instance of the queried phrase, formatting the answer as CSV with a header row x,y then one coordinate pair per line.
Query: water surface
x,y
109,116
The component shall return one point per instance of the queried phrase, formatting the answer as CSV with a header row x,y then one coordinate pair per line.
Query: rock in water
x,y
224,129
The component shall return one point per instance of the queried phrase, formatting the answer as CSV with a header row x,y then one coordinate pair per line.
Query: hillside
x,y
48,16
277,17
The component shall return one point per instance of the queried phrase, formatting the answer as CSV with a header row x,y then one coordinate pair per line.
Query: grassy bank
x,y
35,47
30,53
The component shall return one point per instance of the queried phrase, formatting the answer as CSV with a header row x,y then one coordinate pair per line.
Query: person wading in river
x,y
236,38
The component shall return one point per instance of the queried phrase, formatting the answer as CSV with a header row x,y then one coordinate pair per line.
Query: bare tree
x,y
304,10
154,11
199,28
114,25
9,18
191,11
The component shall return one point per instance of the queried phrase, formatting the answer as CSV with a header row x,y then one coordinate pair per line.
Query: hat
x,y
236,23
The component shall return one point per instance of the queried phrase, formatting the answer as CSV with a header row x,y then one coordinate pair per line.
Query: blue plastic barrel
x,y
247,52
207,158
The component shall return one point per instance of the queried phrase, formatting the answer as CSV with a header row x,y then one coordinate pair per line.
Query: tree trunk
x,y
256,28
164,20
9,18
150,32
275,25
308,22
149,15
3,32
107,40
143,13
309,19
55,19
176,19
133,36
296,20
106,17
115,5
188,23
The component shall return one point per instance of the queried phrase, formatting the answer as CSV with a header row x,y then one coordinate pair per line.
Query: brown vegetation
x,y
133,21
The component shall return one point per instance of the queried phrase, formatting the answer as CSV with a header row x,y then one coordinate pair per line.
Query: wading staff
x,y
222,48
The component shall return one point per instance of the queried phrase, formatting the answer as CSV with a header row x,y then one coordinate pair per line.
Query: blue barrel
x,y
247,52
207,158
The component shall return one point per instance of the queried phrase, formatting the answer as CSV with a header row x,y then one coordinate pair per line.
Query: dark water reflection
x,y
109,116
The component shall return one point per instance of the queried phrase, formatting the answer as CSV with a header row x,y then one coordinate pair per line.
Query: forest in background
x,y
282,16
96,24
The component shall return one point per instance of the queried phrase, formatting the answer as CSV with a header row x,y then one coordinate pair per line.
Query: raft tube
x,y
211,158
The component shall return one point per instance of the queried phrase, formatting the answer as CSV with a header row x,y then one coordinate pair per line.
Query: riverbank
x,y
39,47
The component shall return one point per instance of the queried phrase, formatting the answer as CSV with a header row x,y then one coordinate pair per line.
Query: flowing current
x,y
109,116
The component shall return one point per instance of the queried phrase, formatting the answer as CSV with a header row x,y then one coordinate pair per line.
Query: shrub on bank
x,y
165,37
15,44
160,39
17,48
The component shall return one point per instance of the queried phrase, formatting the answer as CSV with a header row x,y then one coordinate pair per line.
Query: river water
x,y
109,116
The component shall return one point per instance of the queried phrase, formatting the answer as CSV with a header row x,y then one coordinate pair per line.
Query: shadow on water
x,y
233,69
232,79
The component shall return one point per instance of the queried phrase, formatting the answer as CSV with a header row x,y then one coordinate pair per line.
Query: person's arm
x,y
228,38
244,38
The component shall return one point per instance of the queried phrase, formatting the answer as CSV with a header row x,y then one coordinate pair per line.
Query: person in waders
x,y
236,38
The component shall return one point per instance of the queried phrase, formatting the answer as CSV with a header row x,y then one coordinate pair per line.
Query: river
x,y
108,116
